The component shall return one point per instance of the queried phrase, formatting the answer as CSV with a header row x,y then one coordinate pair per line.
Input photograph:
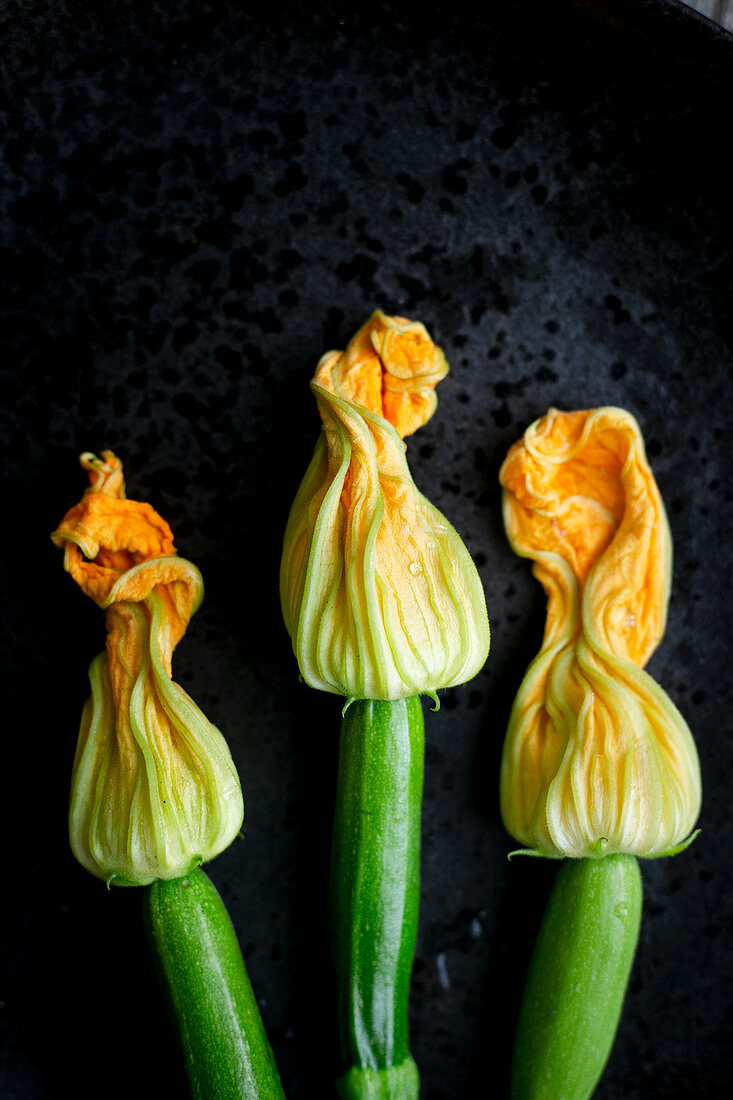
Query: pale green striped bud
x,y
154,789
379,594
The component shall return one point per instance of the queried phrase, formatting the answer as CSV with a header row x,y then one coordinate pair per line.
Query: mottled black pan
x,y
198,200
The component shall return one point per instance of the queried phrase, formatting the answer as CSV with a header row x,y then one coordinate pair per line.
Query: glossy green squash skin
x,y
226,1050
374,894
577,979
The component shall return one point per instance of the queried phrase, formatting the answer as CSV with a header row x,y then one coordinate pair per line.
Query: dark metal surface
x,y
198,202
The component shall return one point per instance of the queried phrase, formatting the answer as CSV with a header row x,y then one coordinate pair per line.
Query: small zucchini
x,y
375,887
226,1050
577,979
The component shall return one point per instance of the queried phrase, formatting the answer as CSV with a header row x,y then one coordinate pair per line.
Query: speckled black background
x,y
198,200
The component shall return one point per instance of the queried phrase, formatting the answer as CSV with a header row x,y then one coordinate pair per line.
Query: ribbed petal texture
x,y
379,594
154,789
597,758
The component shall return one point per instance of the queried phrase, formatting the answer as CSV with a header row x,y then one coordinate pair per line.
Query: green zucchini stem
x,y
577,979
374,893
225,1048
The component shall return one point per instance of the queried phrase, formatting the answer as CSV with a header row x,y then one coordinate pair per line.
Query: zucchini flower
x,y
597,758
154,790
379,594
